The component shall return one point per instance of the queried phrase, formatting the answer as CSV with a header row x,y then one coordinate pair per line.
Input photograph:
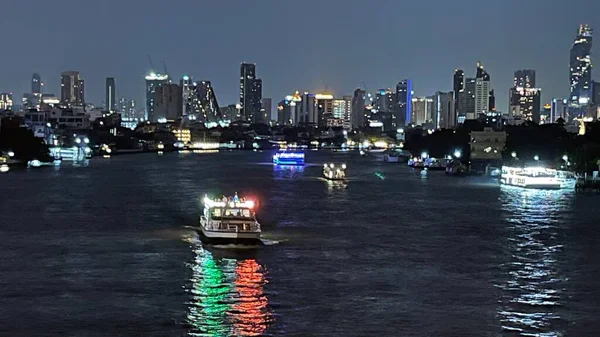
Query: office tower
x,y
357,119
250,93
404,98
111,96
559,108
167,103
421,109
153,81
525,103
308,112
267,108
6,101
466,104
482,92
186,88
524,78
445,116
36,84
581,70
492,101
458,88
72,89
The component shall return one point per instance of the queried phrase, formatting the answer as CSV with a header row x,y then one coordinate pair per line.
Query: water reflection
x,y
227,297
287,171
534,289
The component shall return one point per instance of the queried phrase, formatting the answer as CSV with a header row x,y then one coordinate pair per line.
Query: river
x,y
106,250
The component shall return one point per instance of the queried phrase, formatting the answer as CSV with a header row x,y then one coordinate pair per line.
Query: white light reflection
x,y
534,287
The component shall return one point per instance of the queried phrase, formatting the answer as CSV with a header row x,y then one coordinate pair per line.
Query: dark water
x,y
104,251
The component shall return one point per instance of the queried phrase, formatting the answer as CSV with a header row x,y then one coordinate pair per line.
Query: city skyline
x,y
285,68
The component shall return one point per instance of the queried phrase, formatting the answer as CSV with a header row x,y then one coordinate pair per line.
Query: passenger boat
x,y
229,221
537,177
288,158
331,172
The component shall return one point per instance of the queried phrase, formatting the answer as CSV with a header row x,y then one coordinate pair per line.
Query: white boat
x,y
537,177
331,172
229,221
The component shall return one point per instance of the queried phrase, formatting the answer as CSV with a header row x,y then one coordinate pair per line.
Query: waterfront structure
x,y
445,115
153,81
357,118
167,103
111,95
250,93
72,89
404,98
581,71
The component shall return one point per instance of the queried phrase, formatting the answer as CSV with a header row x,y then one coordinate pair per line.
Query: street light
x,y
565,158
514,154
536,157
457,153
424,155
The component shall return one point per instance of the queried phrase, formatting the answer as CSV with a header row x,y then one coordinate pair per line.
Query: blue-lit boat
x,y
288,158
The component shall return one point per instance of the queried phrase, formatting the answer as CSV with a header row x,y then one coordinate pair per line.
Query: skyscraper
x,y
445,116
111,97
524,78
581,70
404,98
186,89
153,81
167,103
202,101
267,105
72,89
458,87
36,84
466,104
250,93
357,118
525,103
422,108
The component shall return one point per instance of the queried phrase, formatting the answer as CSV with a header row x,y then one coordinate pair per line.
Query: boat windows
x,y
230,213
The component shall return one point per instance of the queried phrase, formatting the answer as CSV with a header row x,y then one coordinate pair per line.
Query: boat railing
x,y
236,227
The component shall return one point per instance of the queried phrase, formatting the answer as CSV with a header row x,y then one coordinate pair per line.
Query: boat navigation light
x,y
331,165
344,166
250,203
536,157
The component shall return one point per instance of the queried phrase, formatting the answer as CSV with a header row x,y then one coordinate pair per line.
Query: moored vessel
x,y
332,172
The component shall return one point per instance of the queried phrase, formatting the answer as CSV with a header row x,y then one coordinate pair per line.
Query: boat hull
x,y
227,238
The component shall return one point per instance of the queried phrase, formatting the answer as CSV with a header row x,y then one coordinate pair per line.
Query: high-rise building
x,y
167,103
6,101
524,78
581,70
559,108
404,98
72,89
357,118
36,84
466,104
445,115
324,104
525,103
250,93
202,102
111,95
127,109
458,87
342,110
153,81
186,89
421,109
492,99
482,98
267,104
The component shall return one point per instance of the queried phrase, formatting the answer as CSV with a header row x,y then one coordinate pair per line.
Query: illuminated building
x,y
72,89
404,100
445,115
458,87
581,70
324,103
183,135
202,101
167,103
466,104
153,81
127,109
486,147
482,93
357,118
111,97
308,109
267,105
421,110
545,114
525,101
524,78
186,89
250,93
6,101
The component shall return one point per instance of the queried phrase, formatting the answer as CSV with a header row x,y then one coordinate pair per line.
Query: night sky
x,y
298,45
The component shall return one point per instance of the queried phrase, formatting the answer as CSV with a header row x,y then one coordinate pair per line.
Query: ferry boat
x,y
288,158
537,177
229,221
331,172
